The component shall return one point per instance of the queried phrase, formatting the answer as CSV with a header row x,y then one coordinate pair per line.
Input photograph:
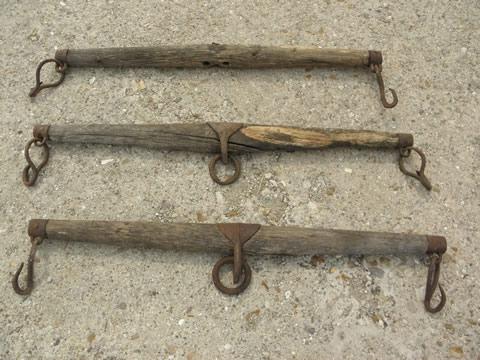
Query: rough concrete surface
x,y
101,302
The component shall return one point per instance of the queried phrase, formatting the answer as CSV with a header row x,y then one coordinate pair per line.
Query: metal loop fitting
x,y
31,171
30,262
212,166
224,132
238,235
60,67
240,285
432,284
418,174
377,69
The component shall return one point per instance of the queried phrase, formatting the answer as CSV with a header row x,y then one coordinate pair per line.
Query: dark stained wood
x,y
192,237
202,138
182,137
214,55
269,240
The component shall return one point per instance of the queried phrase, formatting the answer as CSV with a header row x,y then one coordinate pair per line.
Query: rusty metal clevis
x,y
218,56
237,240
225,140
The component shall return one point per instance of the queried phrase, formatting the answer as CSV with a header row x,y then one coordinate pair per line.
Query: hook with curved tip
x,y
432,284
31,258
418,174
378,72
60,67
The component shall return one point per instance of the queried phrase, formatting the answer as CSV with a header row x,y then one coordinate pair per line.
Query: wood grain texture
x,y
290,138
202,138
214,55
269,240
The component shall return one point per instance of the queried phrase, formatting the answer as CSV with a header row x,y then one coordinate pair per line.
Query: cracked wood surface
x,y
202,138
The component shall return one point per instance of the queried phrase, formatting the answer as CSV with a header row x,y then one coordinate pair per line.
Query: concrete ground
x,y
101,302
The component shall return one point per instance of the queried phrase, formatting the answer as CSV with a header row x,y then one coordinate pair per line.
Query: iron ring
x,y
229,180
247,276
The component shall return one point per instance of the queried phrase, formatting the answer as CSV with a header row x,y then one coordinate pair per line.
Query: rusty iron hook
x,y
31,258
432,284
418,174
31,171
377,69
60,67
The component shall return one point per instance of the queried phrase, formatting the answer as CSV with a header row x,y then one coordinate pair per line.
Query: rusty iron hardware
x,y
29,279
222,139
405,152
60,67
219,56
432,284
238,234
31,171
224,132
377,69
235,240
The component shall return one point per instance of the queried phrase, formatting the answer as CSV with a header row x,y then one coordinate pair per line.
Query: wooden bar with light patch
x,y
224,139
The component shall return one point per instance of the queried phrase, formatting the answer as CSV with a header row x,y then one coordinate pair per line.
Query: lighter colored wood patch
x,y
315,138
288,136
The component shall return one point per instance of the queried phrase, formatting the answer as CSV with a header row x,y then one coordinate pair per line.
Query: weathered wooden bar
x,y
239,239
216,55
203,138
224,139
268,240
